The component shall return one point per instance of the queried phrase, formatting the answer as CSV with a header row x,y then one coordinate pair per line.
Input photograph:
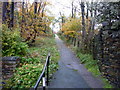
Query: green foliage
x,y
29,61
30,68
43,46
11,43
92,66
26,76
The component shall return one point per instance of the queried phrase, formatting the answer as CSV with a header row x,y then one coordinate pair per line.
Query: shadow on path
x,y
71,73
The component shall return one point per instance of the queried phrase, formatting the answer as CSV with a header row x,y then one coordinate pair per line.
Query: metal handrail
x,y
46,67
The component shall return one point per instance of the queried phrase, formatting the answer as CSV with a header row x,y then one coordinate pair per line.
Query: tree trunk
x,y
87,27
12,14
33,40
35,31
74,41
6,14
43,11
83,22
93,29
35,8
72,10
87,11
39,7
23,11
23,20
91,21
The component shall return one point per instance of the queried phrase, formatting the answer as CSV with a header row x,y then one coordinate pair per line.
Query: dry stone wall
x,y
8,66
107,45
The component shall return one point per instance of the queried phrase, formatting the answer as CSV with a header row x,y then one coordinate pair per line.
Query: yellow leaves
x,y
71,27
20,13
31,23
24,34
41,32
47,3
69,32
41,28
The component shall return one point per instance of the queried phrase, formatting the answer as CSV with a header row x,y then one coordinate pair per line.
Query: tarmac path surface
x,y
72,74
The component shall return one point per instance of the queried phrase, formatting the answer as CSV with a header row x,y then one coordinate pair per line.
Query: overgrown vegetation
x,y
30,68
92,66
26,33
12,44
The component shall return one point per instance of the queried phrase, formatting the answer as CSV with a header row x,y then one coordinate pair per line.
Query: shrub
x,y
25,76
11,43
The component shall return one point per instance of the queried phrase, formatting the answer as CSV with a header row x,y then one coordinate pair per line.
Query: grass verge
x,y
92,66
31,66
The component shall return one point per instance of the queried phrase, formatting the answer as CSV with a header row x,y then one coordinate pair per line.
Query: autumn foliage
x,y
34,21
71,27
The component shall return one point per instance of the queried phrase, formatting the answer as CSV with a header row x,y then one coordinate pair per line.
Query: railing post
x,y
44,85
48,69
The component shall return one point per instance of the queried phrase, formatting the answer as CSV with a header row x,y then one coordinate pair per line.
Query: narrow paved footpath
x,y
71,73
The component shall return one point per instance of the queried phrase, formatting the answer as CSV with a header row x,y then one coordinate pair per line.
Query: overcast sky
x,y
57,7
60,6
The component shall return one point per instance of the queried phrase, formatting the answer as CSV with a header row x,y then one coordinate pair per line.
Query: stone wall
x,y
107,45
8,66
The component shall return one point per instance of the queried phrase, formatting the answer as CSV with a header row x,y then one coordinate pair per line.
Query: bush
x,y
25,76
11,43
